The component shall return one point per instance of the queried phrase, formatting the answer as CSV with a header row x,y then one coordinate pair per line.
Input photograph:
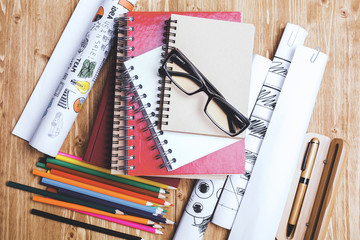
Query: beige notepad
x,y
222,51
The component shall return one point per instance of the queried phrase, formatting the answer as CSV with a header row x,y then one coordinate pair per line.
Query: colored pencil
x,y
109,187
42,165
53,183
105,180
105,175
78,161
73,206
51,189
66,155
84,225
63,197
125,223
92,188
124,209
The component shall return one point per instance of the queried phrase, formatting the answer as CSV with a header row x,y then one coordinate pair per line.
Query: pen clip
x,y
303,165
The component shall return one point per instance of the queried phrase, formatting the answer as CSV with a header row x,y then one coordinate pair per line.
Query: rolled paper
x,y
199,209
78,80
65,49
264,201
263,109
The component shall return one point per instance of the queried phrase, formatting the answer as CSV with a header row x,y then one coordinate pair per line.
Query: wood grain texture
x,y
29,31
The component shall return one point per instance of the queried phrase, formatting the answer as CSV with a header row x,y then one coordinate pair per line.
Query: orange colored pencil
x,y
92,188
106,181
91,210
108,187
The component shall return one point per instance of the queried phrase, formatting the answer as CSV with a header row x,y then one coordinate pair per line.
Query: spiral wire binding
x,y
165,83
132,96
126,96
120,146
123,39
162,111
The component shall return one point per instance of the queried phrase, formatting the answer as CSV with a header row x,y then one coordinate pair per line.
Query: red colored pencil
x,y
106,181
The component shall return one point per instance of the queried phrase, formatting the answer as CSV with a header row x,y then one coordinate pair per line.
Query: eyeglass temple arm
x,y
188,66
208,83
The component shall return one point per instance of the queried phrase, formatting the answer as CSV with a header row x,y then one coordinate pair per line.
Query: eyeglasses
x,y
191,81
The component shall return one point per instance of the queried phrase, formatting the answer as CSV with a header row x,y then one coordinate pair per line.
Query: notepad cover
x,y
222,51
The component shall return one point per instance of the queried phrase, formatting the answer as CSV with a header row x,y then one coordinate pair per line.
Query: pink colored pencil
x,y
70,156
123,222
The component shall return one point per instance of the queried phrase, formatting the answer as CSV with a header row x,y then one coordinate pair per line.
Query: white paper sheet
x,y
259,69
229,201
235,186
263,203
199,209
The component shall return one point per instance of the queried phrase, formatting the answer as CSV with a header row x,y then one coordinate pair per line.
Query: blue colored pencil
x,y
153,210
124,209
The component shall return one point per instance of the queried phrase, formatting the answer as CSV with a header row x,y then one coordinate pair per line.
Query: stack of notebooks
x,y
154,128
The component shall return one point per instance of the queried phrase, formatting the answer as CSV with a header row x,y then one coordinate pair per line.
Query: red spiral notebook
x,y
146,29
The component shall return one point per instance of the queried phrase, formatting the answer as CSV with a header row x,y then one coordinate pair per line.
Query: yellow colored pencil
x,y
73,206
92,188
68,159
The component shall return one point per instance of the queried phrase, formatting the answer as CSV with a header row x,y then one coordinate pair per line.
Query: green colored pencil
x,y
42,165
63,197
104,175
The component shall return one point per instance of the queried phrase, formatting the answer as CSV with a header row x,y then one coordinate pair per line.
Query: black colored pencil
x,y
63,197
84,225
125,209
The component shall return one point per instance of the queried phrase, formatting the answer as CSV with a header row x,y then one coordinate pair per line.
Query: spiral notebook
x,y
142,149
144,31
222,51
146,34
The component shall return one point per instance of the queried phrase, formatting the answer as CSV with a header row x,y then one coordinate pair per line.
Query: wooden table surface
x,y
29,31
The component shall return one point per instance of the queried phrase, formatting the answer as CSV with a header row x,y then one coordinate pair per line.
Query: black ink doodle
x,y
258,128
64,100
267,98
250,157
201,214
279,66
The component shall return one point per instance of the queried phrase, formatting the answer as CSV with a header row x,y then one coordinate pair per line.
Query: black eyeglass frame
x,y
177,57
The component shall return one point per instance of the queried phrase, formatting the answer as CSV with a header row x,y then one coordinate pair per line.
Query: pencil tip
x,y
169,222
119,212
167,192
173,188
158,226
158,231
162,190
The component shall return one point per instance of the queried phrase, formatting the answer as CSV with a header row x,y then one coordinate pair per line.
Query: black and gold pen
x,y
306,169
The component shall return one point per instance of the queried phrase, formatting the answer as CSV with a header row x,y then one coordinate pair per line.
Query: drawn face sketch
x,y
204,190
56,125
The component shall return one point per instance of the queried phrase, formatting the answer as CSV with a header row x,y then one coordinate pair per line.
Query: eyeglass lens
x,y
224,116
